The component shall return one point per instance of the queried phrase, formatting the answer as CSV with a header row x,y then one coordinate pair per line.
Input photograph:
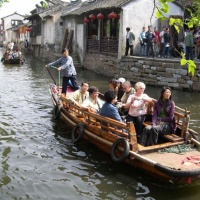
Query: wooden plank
x,y
173,138
64,39
69,41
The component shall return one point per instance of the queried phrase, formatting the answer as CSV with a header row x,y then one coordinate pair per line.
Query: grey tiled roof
x,y
85,7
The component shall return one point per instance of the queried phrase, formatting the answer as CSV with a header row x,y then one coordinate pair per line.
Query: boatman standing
x,y
66,65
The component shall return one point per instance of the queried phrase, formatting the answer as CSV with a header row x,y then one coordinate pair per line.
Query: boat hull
x,y
13,61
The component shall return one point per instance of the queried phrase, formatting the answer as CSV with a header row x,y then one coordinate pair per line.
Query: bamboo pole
x,y
195,141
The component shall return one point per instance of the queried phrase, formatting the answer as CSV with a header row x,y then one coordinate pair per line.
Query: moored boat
x,y
175,159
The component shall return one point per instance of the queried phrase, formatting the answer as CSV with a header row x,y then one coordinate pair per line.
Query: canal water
x,y
38,159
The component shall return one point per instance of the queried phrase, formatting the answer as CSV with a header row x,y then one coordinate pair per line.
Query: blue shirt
x,y
110,110
67,65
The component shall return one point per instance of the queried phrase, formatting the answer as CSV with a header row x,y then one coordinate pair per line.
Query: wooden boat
x,y
13,61
119,140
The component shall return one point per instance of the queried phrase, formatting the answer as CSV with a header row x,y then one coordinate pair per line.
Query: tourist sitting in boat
x,y
136,107
113,85
92,103
80,95
163,121
10,45
15,54
128,90
109,109
8,54
120,91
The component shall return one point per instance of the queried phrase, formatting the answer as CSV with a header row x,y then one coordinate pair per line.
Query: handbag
x,y
198,43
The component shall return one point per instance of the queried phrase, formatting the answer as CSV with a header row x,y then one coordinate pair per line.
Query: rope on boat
x,y
179,149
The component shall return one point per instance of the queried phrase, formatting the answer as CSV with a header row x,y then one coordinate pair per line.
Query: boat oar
x,y
54,79
51,75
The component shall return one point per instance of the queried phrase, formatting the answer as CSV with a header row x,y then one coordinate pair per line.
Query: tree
x,y
192,7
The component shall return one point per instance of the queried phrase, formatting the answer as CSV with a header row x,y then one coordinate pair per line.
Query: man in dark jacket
x,y
130,37
189,43
150,37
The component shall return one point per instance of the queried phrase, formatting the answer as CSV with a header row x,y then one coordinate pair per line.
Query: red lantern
x,y
112,15
20,29
29,29
86,20
92,17
100,16
24,29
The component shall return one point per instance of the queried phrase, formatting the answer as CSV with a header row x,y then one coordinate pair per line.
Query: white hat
x,y
122,80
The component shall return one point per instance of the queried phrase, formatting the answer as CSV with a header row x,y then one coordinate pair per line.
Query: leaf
x,y
190,24
191,67
165,7
171,21
177,28
183,61
158,14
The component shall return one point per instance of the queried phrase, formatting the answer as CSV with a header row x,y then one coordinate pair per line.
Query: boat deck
x,y
186,161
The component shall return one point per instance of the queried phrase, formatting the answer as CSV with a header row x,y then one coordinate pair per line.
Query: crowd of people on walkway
x,y
157,43
120,102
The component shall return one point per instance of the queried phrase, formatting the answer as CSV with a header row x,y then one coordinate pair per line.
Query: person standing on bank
x,y
143,42
66,66
161,41
189,43
163,121
130,37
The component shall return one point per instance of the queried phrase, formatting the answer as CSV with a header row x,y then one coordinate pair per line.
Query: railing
x,y
105,44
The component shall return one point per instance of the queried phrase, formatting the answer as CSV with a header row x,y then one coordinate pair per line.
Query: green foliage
x,y
190,63
44,4
194,20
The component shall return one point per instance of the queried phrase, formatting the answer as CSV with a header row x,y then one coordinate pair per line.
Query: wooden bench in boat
x,y
169,137
181,122
102,125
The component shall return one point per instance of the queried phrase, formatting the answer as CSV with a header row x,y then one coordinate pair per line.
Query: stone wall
x,y
45,52
158,72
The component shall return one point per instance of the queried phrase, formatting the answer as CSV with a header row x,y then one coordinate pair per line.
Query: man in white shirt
x,y
92,103
80,95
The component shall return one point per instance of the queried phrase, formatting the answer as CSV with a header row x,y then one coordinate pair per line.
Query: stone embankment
x,y
157,71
